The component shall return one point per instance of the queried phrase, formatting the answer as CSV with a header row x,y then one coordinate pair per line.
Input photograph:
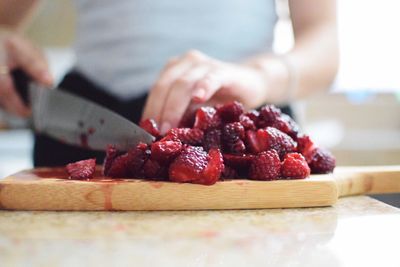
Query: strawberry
x,y
111,154
194,165
150,126
321,161
185,135
206,118
187,120
265,166
189,165
119,167
287,125
212,139
136,158
238,162
154,170
232,135
294,166
229,173
304,144
247,123
214,168
269,113
270,138
83,169
230,112
165,151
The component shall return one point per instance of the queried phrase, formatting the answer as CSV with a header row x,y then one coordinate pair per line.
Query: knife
x,y
77,121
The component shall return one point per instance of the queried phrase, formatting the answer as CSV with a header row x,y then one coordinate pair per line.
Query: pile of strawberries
x,y
214,143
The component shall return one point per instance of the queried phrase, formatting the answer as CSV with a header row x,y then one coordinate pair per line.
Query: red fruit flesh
x,y
270,138
238,162
265,166
111,154
196,166
185,135
119,167
212,139
321,161
83,169
189,165
232,135
151,127
154,170
294,166
230,112
165,151
206,118
214,168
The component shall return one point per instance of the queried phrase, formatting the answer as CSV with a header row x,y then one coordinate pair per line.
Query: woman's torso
x,y
122,45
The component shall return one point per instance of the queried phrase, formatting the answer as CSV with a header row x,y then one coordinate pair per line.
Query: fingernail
x,y
47,77
165,126
199,94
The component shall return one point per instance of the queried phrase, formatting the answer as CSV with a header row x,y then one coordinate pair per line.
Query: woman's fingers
x,y
172,71
159,92
9,98
180,95
29,58
207,86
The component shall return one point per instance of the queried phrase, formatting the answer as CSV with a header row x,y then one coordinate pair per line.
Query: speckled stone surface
x,y
358,231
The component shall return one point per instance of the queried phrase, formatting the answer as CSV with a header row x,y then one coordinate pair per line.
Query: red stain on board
x,y
107,191
91,130
209,234
156,184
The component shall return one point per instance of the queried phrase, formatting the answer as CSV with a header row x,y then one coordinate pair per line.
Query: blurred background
x,y
358,119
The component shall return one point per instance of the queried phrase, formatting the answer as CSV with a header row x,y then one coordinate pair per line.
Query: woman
x,y
212,51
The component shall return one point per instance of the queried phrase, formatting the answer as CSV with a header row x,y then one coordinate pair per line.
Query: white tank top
x,y
122,45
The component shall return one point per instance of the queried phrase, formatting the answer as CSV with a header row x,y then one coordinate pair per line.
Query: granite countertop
x,y
357,231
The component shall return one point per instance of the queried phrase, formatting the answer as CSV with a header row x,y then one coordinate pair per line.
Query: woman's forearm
x,y
312,63
15,13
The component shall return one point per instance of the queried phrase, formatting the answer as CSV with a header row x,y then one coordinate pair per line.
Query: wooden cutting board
x,y
48,189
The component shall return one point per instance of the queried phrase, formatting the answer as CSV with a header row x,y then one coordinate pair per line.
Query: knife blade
x,y
77,121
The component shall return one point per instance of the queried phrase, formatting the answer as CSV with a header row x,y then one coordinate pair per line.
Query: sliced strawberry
x,y
189,165
270,138
165,151
119,167
111,154
83,169
151,127
207,118
294,166
214,168
154,170
212,139
238,162
230,112
321,160
185,135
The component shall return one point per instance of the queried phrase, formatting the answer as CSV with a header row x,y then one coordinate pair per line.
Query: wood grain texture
x,y
47,189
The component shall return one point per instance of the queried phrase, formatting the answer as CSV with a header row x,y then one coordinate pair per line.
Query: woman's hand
x,y
195,79
17,52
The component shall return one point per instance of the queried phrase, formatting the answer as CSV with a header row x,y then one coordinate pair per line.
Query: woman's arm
x,y
18,52
313,62
196,78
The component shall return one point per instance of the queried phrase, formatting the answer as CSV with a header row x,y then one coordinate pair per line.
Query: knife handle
x,y
21,83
